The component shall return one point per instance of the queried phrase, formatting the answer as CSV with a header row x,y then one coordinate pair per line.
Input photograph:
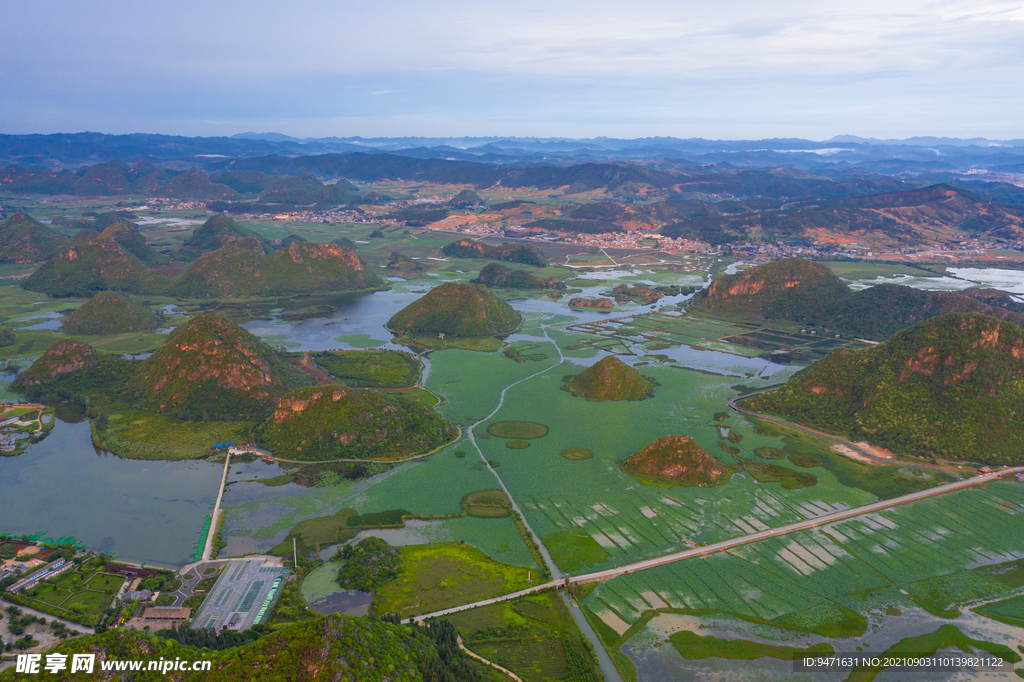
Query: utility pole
x,y
295,556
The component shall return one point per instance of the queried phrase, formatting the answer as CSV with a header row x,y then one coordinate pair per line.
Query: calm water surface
x,y
148,511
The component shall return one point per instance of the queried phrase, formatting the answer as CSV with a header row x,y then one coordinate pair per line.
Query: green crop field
x,y
370,368
819,581
439,576
534,637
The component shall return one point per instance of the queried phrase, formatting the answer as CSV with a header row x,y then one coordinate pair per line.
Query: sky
x,y
721,69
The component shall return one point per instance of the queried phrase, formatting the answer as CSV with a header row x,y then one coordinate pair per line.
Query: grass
x,y
863,270
150,435
772,473
535,637
577,453
487,503
283,479
515,429
948,636
319,531
805,461
80,594
438,576
517,444
486,344
574,550
694,647
370,368
1009,611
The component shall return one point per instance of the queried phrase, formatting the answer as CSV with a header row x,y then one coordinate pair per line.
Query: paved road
x,y
208,548
198,573
732,404
734,542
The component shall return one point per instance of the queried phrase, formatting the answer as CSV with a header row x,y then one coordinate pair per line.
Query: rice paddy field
x,y
859,583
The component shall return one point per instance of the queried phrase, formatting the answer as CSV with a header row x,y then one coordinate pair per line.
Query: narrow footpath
x,y
458,640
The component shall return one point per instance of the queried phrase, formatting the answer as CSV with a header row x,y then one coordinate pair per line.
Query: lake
x,y
143,511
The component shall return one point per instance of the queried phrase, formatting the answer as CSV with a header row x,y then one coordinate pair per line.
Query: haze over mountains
x,y
917,155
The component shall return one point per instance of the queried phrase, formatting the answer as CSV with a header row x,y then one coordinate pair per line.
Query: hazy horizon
x,y
732,71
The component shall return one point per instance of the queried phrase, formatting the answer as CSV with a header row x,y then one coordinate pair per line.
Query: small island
x,y
609,379
675,461
455,315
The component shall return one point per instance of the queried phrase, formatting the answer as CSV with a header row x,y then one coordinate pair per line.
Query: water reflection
x,y
144,511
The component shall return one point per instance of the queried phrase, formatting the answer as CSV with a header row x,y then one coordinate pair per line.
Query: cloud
x,y
738,64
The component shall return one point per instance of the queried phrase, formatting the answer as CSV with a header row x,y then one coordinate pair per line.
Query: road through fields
x,y
734,542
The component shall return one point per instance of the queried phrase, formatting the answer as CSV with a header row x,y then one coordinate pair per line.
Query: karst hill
x,y
242,268
211,367
456,310
952,386
336,422
23,239
103,264
110,312
676,460
609,379
806,292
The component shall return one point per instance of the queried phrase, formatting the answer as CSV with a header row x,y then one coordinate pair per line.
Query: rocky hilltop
x,y
109,312
131,239
100,265
456,310
504,277
774,291
242,268
23,239
72,366
675,460
580,302
336,422
213,234
527,254
210,367
952,386
805,292
609,379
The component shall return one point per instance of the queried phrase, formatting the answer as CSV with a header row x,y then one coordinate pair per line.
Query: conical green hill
x,y
110,312
678,460
211,367
609,379
456,310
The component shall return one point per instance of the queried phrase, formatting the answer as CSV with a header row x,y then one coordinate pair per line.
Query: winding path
x,y
458,640
472,439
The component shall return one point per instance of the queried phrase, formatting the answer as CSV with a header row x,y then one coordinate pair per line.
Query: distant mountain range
x,y
913,155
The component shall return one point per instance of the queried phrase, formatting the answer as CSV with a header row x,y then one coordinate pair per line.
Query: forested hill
x,y
952,386
336,648
808,293
456,310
